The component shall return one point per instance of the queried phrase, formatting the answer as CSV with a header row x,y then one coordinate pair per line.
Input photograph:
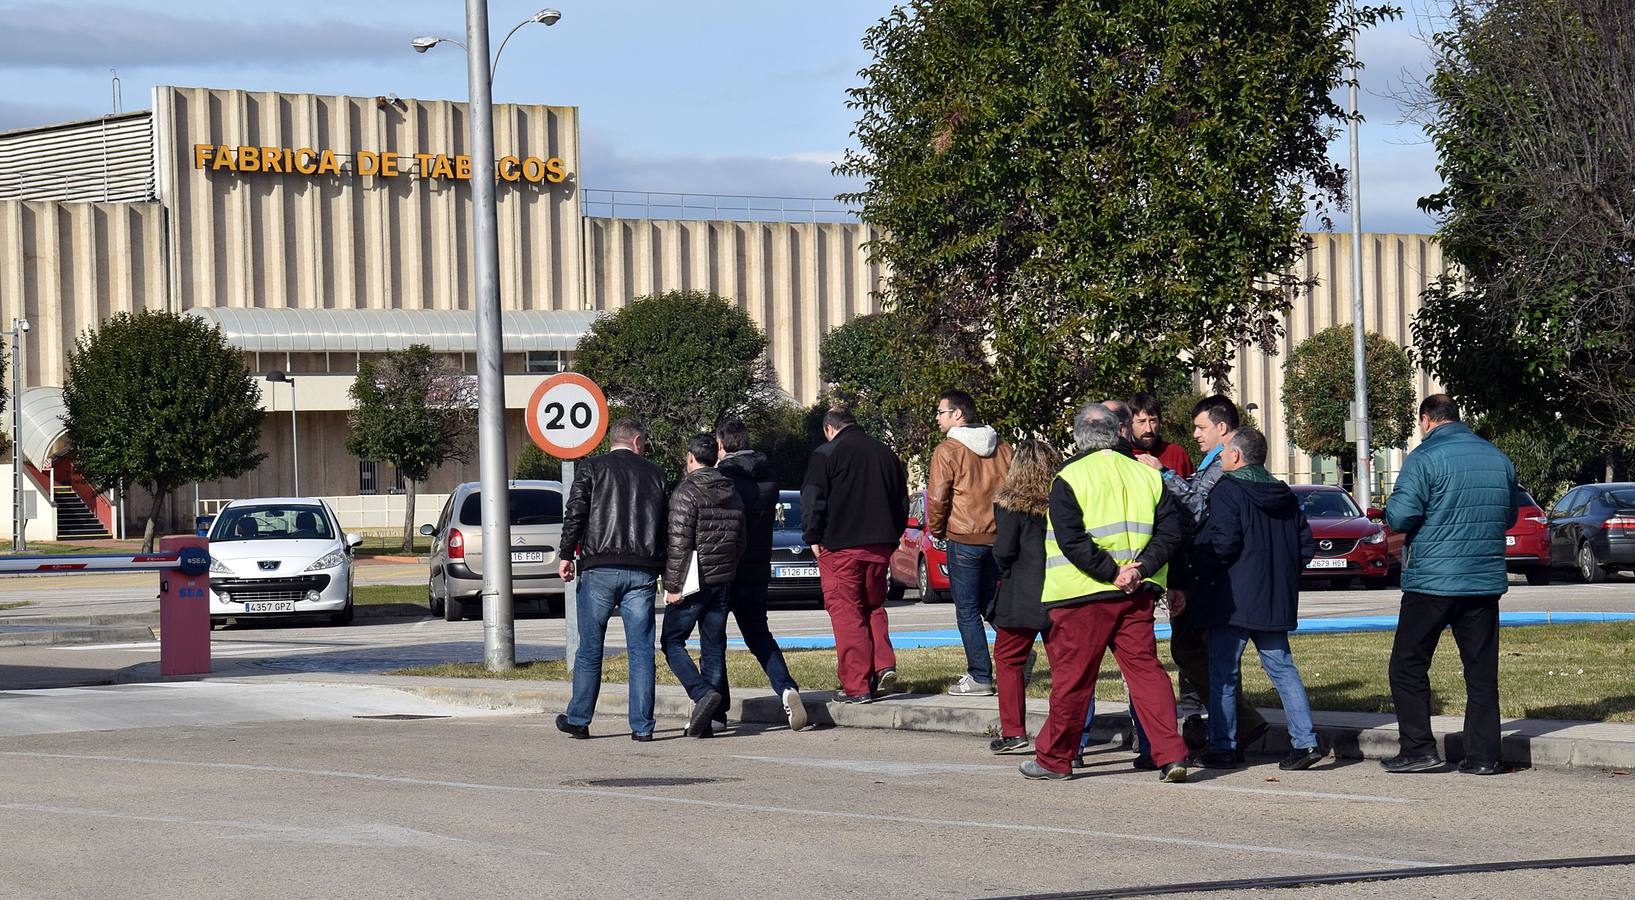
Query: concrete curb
x,y
390,611
150,619
47,635
1526,742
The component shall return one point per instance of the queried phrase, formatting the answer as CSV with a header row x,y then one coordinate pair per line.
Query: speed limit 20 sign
x,y
567,415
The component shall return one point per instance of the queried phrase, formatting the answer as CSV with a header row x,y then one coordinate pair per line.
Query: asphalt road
x,y
311,802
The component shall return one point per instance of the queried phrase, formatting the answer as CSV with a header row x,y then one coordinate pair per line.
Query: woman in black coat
x,y
1019,551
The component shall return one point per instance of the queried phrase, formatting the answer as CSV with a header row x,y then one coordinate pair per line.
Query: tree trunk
x,y
153,514
408,518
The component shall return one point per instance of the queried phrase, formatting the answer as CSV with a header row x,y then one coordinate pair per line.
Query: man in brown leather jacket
x,y
967,470
707,534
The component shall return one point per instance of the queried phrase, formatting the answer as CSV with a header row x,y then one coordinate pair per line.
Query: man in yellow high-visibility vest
x,y
1111,532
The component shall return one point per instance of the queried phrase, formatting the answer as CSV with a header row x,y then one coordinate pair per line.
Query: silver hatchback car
x,y
455,586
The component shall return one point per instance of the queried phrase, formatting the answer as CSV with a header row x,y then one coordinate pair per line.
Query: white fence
x,y
358,512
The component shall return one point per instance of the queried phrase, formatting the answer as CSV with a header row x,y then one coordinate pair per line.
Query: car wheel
x,y
928,594
894,591
452,610
344,617
1589,568
432,603
1538,575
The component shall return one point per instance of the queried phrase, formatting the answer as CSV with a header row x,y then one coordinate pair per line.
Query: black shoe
x,y
843,697
1471,767
1079,763
1300,758
1402,764
703,711
577,732
883,682
1174,773
1010,744
1195,732
641,738
1143,762
708,732
1218,759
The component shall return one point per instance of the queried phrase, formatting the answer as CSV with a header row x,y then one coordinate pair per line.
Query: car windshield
x,y
1328,505
787,516
272,523
529,506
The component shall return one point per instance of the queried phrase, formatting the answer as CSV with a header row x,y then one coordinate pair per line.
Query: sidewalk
x,y
1527,742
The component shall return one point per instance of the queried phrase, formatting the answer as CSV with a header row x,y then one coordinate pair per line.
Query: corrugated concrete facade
x,y
349,240
108,160
796,280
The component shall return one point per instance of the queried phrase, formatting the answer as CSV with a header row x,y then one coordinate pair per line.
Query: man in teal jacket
x,y
1454,499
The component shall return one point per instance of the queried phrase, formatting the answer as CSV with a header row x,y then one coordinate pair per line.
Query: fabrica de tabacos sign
x,y
385,164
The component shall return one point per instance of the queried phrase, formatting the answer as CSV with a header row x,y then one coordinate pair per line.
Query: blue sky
x,y
729,97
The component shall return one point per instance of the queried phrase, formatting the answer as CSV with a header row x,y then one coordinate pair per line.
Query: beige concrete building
x,y
317,230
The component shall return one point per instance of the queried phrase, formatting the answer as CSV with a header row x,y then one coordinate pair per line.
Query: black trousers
x,y
1475,624
1189,648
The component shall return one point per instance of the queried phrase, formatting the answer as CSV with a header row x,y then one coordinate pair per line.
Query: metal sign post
x,y
567,418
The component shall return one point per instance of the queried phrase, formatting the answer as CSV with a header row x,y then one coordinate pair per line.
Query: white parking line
x,y
799,812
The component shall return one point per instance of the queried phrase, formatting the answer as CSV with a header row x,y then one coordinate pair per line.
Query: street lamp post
x,y
295,447
499,624
1362,487
19,327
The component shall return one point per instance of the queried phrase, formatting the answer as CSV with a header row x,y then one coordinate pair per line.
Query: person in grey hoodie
x,y
967,470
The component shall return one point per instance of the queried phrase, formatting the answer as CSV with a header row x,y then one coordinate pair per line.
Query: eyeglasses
x,y
943,412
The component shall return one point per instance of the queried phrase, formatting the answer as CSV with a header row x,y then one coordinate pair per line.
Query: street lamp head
x,y
424,42
279,377
21,324
548,16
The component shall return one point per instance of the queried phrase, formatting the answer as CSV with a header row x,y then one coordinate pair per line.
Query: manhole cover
x,y
401,717
659,781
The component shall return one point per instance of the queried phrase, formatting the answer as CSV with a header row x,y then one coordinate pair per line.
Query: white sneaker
x,y
967,686
794,710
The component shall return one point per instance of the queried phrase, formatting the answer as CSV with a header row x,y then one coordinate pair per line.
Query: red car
x,y
1350,543
920,560
1527,543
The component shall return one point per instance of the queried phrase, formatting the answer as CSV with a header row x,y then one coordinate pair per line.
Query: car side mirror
x,y
428,529
353,540
1376,513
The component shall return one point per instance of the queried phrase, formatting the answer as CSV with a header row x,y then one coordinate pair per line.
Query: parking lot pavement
x,y
488,806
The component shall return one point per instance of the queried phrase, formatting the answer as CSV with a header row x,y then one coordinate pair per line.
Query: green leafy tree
x,y
415,410
787,434
1071,191
1318,387
156,400
874,366
1549,456
535,464
681,361
1529,105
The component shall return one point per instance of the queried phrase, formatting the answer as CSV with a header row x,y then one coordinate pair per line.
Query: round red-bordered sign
x,y
567,415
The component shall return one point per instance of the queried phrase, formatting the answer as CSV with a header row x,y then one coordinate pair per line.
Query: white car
x,y
280,556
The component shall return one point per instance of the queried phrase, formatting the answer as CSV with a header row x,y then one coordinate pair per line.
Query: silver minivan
x,y
455,586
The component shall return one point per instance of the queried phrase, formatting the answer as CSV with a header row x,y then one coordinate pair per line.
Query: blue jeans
x,y
707,611
601,591
1142,745
748,605
1225,663
973,577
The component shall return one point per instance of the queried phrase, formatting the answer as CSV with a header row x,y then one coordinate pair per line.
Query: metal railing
x,y
614,204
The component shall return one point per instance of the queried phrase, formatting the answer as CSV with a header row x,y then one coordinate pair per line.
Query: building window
x,y
368,477
545,362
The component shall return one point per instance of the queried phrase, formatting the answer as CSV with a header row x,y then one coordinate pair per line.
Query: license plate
x,y
1510,540
527,556
259,606
1337,563
795,571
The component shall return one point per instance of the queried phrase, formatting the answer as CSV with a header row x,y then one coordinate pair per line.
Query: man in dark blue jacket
x,y
1246,562
1454,499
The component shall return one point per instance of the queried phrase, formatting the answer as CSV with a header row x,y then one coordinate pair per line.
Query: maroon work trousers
x,y
854,593
1011,647
1079,637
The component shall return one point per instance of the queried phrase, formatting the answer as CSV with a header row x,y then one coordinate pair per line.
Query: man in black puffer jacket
x,y
706,534
757,486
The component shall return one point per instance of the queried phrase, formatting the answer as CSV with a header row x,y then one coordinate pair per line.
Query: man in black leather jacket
x,y
757,485
613,526
706,542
